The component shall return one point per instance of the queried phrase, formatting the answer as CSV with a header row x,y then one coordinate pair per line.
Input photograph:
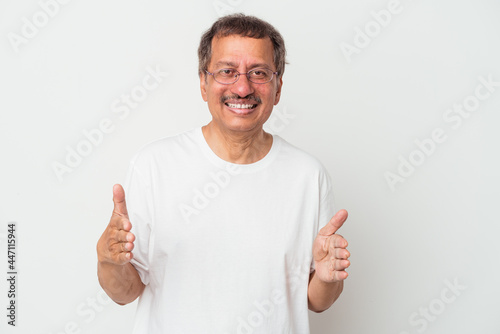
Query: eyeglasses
x,y
227,76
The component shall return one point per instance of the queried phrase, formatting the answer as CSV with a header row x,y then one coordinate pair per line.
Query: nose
x,y
243,86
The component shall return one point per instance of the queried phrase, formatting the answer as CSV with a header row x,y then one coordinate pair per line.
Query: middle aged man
x,y
231,227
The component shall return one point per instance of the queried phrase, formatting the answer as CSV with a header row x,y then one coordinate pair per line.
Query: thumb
x,y
120,207
334,224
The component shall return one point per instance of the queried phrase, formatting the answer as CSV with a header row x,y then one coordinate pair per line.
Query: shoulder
x,y
304,168
299,158
167,147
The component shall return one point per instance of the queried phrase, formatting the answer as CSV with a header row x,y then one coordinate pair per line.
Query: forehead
x,y
242,51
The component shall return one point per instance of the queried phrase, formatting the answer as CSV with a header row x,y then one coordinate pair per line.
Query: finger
x,y
121,223
120,247
334,224
340,275
337,241
122,236
125,247
117,249
341,254
113,244
120,207
122,257
341,264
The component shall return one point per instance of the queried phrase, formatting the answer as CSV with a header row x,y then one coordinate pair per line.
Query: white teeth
x,y
240,106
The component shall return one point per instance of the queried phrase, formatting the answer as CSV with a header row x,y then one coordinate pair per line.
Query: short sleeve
x,y
326,208
139,207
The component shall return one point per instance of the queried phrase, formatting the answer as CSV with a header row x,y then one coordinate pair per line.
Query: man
x,y
227,228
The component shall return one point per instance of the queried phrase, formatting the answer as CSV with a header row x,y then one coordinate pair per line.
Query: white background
x,y
358,114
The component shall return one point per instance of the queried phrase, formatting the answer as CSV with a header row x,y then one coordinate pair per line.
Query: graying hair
x,y
245,26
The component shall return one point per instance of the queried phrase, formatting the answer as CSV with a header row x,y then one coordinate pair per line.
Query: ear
x,y
203,88
278,91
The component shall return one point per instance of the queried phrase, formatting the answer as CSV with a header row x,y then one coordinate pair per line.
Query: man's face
x,y
241,54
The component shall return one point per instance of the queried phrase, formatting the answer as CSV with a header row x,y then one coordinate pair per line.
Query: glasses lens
x,y
229,76
226,75
260,75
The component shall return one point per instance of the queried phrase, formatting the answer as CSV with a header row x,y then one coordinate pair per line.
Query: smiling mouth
x,y
241,106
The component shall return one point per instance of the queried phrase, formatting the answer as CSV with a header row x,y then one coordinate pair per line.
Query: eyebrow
x,y
233,64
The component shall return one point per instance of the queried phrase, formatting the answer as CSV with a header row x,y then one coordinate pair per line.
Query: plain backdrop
x,y
363,89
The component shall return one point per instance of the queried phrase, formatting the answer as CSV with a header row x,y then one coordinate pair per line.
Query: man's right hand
x,y
117,242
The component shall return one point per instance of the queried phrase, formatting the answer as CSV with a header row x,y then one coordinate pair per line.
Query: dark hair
x,y
245,26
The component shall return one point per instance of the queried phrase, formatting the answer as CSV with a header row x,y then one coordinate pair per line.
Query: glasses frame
x,y
247,74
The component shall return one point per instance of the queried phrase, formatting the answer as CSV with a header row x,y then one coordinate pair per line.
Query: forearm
x,y
122,283
322,295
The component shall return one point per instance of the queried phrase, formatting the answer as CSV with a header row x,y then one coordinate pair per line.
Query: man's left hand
x,y
329,251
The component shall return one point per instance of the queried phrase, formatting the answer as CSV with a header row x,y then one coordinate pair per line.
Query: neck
x,y
238,147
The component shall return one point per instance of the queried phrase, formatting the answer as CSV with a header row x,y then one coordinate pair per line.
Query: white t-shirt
x,y
224,248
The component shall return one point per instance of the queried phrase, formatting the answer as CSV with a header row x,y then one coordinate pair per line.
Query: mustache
x,y
250,97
